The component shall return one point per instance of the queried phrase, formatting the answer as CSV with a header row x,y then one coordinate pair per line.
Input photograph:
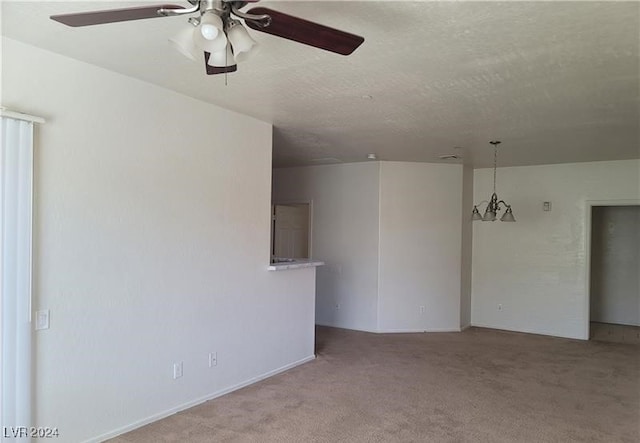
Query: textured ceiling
x,y
555,81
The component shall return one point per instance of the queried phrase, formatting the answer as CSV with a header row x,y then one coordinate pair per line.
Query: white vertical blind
x,y
16,186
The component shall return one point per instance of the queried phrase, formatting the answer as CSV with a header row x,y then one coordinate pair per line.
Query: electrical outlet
x,y
337,306
499,306
213,359
177,370
422,309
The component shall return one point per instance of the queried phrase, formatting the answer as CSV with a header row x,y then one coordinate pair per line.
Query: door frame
x,y
294,202
589,204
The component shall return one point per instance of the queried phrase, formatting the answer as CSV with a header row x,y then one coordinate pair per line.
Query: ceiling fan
x,y
214,29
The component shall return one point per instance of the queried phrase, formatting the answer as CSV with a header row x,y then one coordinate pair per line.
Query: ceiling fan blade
x,y
111,15
306,32
211,70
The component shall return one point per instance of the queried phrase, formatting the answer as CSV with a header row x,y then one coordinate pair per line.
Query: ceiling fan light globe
x,y
209,32
183,43
222,59
245,55
210,26
211,46
243,45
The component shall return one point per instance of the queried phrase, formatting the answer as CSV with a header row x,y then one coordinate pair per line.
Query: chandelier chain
x,y
495,165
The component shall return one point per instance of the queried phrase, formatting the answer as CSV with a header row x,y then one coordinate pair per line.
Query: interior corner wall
x,y
536,269
420,247
345,207
151,235
467,246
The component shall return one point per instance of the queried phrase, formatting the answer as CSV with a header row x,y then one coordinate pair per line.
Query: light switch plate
x,y
177,370
42,319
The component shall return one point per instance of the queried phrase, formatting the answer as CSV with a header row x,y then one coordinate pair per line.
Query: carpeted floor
x,y
614,333
477,386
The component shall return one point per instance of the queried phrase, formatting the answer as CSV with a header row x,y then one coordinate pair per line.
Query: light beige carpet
x,y
476,386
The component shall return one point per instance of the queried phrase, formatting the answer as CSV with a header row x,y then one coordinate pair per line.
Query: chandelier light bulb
x,y
489,216
508,216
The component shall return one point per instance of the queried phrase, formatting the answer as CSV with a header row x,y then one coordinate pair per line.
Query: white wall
x,y
345,206
390,234
537,268
152,243
420,247
615,264
467,245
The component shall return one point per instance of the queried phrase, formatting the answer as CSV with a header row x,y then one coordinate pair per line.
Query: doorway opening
x,y
290,231
614,301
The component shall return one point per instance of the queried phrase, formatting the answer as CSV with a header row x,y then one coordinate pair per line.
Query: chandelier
x,y
493,205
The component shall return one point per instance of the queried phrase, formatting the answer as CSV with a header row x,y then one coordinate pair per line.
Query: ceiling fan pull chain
x,y
226,63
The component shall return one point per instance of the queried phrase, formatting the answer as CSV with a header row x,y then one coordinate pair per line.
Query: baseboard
x,y
326,325
416,331
467,326
526,331
393,331
190,404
